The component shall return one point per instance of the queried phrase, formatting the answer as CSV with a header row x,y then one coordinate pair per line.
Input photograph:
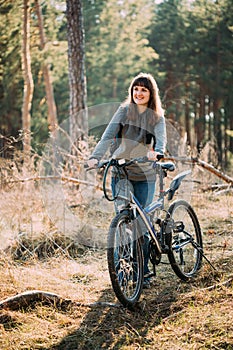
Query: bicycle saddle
x,y
170,166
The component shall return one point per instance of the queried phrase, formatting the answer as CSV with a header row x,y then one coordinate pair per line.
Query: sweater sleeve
x,y
160,135
110,132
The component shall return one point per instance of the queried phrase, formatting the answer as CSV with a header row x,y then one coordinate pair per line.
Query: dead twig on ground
x,y
191,294
220,284
30,298
61,178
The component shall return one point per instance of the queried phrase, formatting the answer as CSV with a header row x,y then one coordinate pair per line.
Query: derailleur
x,y
154,254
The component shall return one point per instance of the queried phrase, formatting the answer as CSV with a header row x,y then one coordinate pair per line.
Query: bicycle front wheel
x,y
185,240
125,259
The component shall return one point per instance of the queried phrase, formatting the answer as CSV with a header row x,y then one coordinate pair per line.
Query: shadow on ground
x,y
111,327
114,327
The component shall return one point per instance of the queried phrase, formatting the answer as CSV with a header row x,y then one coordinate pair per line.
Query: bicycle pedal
x,y
178,227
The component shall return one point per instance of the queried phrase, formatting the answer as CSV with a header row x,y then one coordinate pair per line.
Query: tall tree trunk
x,y
169,93
217,92
200,125
209,125
226,143
28,80
77,78
218,127
230,116
52,110
187,115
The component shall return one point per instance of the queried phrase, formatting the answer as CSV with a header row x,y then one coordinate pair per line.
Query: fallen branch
x,y
212,287
30,298
26,299
220,284
204,165
61,178
172,316
217,187
214,171
227,191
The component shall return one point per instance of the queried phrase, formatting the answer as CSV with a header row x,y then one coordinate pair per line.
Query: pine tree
x,y
77,78
28,80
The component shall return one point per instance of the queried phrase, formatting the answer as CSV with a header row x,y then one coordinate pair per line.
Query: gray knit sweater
x,y
135,140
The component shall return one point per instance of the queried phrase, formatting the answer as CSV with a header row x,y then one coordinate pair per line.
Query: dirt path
x,y
170,315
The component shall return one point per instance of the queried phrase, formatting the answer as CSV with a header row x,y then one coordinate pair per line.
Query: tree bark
x,y
217,93
28,80
52,110
200,118
218,127
77,78
187,116
230,116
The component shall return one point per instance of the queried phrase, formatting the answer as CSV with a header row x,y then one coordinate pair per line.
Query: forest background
x,y
186,45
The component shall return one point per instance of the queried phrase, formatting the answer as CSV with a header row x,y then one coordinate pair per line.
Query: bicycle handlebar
x,y
121,163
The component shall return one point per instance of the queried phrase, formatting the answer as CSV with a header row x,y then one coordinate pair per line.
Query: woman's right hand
x,y
92,163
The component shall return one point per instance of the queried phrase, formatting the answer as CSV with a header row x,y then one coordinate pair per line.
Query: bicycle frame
x,y
156,205
143,214
160,169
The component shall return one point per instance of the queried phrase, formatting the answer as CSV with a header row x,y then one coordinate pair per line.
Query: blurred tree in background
x,y
77,74
119,48
11,83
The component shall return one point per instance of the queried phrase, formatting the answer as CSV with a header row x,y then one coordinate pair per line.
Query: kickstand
x,y
203,255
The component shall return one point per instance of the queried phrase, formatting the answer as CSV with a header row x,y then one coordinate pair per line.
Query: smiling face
x,y
141,95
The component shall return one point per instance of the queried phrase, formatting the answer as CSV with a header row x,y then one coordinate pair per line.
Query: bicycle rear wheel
x,y
125,259
185,240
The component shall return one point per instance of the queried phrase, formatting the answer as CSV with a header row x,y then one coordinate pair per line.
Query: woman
x,y
137,129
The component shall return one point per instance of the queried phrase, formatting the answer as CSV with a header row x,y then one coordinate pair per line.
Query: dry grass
x,y
171,315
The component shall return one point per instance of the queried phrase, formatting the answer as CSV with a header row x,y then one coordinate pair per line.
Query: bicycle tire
x,y
125,259
184,241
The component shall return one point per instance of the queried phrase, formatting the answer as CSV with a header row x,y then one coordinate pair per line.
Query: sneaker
x,y
146,284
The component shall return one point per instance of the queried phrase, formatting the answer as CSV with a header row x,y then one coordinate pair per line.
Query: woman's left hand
x,y
152,155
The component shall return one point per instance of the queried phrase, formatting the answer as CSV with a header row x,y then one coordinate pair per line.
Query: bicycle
x,y
178,234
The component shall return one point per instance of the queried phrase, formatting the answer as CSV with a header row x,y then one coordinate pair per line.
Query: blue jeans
x,y
144,191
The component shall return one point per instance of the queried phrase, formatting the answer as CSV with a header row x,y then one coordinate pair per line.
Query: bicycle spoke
x,y
186,242
125,260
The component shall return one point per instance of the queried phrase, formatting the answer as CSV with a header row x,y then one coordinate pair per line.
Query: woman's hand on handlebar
x,y
92,163
152,155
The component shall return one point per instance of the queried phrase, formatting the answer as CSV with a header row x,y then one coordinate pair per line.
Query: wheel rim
x,y
125,262
185,253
